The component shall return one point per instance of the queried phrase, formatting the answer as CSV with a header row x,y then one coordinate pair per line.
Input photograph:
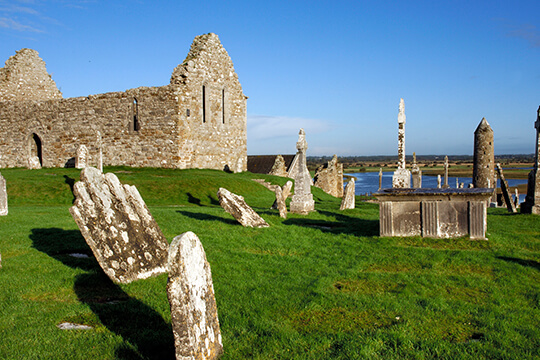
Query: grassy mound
x,y
322,286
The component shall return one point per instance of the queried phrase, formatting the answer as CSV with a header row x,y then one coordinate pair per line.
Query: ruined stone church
x,y
196,121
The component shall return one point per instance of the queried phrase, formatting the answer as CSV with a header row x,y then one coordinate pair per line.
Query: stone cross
x,y
532,200
401,135
3,197
506,194
445,186
190,292
82,157
402,176
302,200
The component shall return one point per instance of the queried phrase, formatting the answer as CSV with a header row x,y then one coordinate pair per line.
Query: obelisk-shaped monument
x,y
402,176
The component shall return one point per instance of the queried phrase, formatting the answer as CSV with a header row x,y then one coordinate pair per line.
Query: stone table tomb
x,y
436,213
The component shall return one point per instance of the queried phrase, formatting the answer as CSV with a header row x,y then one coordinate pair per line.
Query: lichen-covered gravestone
x,y
3,197
115,222
237,207
191,296
302,201
348,199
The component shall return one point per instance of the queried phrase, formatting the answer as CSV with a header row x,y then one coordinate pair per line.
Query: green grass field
x,y
322,286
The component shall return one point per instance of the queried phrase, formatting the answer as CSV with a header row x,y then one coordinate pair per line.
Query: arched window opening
x,y
36,148
135,124
223,105
204,104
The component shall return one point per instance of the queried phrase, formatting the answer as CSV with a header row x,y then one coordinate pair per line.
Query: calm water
x,y
368,182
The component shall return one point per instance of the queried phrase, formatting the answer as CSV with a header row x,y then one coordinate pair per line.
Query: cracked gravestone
x,y
190,292
237,207
116,224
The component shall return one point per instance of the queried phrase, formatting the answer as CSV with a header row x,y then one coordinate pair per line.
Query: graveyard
x,y
315,286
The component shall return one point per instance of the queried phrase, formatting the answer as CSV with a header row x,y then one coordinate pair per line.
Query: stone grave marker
x,y
402,176
280,202
348,201
532,200
302,200
237,207
82,157
115,222
3,197
191,296
329,177
506,194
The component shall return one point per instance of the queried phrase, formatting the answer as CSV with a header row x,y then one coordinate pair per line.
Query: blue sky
x,y
335,68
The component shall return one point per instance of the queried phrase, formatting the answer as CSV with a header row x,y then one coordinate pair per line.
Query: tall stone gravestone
x,y
484,157
82,157
190,291
3,197
446,185
302,200
402,176
532,200
116,224
416,174
348,201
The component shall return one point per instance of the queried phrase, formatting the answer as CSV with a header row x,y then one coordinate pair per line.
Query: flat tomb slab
x,y
437,213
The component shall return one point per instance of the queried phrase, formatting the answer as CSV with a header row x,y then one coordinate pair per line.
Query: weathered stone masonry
x,y
197,121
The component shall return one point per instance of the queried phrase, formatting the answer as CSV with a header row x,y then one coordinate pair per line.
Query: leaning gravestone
x,y
237,207
286,191
348,198
115,222
505,191
190,291
3,197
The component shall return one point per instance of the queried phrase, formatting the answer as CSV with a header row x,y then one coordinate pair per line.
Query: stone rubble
x,y
3,197
237,207
348,201
302,200
329,177
190,292
33,163
116,224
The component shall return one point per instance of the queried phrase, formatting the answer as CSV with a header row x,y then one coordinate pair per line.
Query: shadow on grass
x,y
343,224
71,183
146,334
206,217
529,263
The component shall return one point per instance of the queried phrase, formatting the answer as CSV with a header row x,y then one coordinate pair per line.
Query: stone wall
x,y
148,126
25,77
213,104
